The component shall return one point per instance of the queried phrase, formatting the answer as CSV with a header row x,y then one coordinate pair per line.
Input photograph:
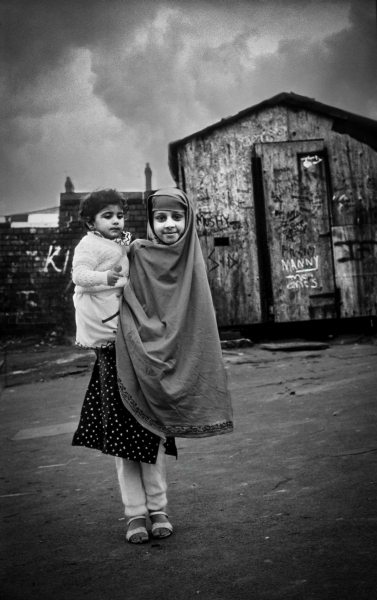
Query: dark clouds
x,y
94,89
340,70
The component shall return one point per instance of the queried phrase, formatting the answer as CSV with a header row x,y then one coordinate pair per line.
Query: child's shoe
x,y
140,532
157,528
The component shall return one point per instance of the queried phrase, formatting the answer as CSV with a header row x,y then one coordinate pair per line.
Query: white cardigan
x,y
96,302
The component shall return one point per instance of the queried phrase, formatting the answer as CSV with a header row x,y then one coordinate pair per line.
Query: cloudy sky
x,y
94,89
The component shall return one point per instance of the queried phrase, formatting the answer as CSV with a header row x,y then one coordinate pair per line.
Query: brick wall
x,y
136,217
35,273
35,268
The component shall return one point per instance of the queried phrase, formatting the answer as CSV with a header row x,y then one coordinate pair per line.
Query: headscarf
x,y
170,370
163,202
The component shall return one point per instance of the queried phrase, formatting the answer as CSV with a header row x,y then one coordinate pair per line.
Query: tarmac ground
x,y
283,508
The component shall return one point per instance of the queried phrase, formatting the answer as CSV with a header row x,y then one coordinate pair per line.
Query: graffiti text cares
x,y
300,273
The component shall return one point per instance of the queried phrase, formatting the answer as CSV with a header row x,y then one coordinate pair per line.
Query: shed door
x,y
294,187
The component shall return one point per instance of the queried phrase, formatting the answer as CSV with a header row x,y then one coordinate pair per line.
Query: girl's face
x,y
109,222
169,225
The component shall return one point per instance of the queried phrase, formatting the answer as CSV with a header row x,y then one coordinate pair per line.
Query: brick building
x,y
35,263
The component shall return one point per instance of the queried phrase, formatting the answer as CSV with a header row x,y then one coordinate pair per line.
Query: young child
x,y
169,362
100,271
100,268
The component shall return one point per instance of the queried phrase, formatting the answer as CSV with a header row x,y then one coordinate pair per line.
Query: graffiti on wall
x,y
271,133
301,272
363,209
310,160
209,222
223,196
27,300
228,260
356,191
356,250
309,251
56,259
291,223
349,200
203,196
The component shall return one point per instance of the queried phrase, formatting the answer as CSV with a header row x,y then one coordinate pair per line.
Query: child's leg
x,y
143,488
154,481
131,487
133,497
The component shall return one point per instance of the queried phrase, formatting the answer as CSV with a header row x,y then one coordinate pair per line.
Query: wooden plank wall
x,y
354,213
355,253
217,175
217,170
353,175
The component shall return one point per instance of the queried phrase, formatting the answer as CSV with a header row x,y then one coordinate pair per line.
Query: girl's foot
x,y
161,527
137,533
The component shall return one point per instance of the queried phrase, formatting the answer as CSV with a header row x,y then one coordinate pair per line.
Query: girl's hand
x,y
113,276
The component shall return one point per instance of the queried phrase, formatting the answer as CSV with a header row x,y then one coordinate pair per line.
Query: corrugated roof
x,y
360,128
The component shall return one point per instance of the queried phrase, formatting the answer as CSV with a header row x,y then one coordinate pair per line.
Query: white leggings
x,y
142,485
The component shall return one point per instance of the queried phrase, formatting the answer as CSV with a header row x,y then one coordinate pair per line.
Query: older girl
x,y
169,362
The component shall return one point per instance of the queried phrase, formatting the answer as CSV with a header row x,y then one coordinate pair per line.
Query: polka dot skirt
x,y
105,423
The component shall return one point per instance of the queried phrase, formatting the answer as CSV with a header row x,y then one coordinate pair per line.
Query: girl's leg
x,y
143,488
133,496
154,480
131,487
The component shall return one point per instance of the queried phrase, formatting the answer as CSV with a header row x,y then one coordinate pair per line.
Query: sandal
x,y
157,526
130,534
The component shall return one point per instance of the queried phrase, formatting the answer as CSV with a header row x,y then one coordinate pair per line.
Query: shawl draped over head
x,y
170,370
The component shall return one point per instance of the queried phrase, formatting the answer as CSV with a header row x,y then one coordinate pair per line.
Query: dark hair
x,y
93,203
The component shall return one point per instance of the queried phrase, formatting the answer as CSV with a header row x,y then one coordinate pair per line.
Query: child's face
x,y
169,225
109,222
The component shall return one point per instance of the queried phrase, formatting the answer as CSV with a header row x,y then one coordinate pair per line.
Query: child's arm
x,y
84,268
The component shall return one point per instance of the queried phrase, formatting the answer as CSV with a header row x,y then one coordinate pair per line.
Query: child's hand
x,y
113,276
123,264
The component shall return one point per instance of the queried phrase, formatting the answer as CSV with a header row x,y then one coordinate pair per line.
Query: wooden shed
x,y
286,198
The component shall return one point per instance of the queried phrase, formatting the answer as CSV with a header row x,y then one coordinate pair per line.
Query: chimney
x,y
69,187
148,178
